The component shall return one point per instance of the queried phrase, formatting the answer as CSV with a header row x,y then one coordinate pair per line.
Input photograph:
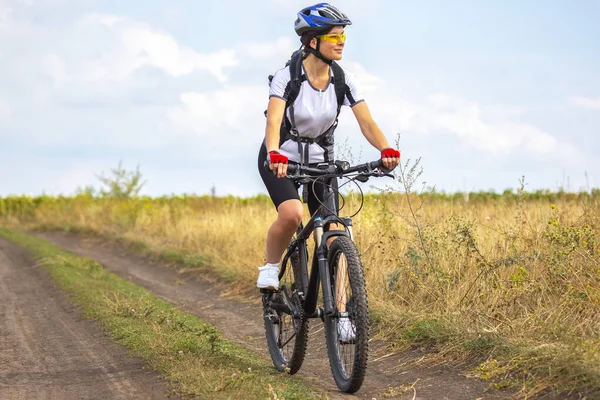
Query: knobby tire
x,y
287,337
348,360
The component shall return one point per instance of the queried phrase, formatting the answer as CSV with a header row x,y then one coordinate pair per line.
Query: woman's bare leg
x,y
289,216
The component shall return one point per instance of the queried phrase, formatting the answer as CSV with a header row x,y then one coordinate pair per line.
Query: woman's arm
x,y
275,111
368,127
372,133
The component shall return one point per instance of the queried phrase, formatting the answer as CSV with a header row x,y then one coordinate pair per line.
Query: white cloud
x,y
490,129
96,57
137,45
467,121
5,109
231,115
83,83
5,12
368,81
55,67
585,102
280,49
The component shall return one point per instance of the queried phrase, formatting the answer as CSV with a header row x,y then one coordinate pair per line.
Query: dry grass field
x,y
509,283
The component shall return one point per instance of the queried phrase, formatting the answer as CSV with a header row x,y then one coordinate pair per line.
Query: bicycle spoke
x,y
289,340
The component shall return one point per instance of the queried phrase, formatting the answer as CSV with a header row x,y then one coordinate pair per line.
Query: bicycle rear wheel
x,y
347,343
287,336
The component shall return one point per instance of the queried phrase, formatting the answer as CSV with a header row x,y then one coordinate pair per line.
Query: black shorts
x,y
282,189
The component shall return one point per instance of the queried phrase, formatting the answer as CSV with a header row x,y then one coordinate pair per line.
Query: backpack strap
x,y
293,88
339,82
296,79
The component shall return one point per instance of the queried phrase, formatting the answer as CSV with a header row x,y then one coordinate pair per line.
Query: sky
x,y
482,92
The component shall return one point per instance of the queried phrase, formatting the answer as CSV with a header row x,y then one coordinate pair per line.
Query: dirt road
x,y
241,322
48,351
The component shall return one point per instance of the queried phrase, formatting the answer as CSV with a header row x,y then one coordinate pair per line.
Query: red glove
x,y
276,158
390,153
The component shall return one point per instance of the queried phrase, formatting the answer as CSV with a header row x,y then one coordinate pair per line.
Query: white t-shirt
x,y
315,110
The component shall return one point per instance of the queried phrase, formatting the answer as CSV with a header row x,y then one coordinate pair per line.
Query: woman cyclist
x,y
297,133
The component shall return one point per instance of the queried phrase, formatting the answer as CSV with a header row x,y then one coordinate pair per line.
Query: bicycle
x,y
339,270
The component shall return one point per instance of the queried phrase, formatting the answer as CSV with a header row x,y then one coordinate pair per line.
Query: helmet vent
x,y
319,18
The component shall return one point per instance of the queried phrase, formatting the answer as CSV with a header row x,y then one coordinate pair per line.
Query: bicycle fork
x,y
320,264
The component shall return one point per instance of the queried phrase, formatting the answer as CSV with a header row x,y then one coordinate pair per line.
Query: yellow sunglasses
x,y
333,38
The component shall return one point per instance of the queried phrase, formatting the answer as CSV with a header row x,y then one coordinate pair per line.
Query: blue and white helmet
x,y
320,17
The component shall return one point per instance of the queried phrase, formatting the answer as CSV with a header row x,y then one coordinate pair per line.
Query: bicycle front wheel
x,y
287,336
347,329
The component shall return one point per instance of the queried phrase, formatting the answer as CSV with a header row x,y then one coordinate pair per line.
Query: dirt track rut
x,y
48,351
241,322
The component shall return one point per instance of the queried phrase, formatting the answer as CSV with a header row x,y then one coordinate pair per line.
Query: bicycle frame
x,y
320,269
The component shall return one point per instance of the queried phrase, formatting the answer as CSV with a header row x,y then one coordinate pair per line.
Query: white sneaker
x,y
268,278
346,329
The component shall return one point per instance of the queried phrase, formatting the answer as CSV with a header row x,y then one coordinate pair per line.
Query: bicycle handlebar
x,y
338,168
